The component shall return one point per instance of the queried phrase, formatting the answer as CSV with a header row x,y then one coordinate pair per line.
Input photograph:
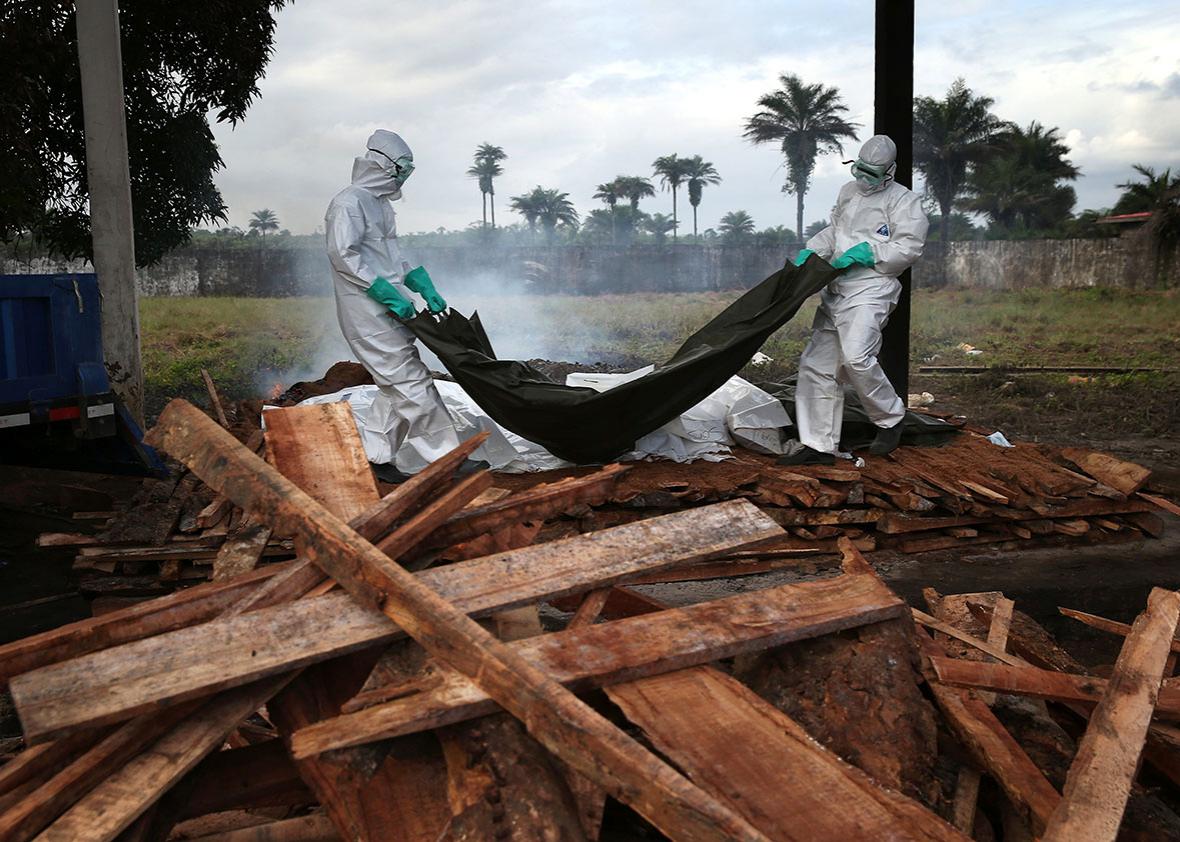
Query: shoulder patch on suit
x,y
884,230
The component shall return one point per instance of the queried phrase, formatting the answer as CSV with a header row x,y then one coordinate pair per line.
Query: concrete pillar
x,y
893,114
107,174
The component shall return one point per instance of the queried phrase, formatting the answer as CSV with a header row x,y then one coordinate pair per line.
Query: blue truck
x,y
57,408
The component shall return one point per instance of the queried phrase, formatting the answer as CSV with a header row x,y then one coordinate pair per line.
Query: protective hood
x,y
876,164
375,169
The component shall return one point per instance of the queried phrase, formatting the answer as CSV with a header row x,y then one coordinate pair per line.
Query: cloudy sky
x,y
577,92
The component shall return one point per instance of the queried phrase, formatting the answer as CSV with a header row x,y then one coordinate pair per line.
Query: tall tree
x,y
179,68
633,188
550,208
950,135
1160,194
262,221
805,121
699,173
485,169
736,227
1019,187
671,170
609,193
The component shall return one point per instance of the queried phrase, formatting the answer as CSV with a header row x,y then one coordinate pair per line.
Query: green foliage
x,y
672,170
777,237
181,62
659,225
699,172
805,121
950,135
1018,187
737,228
960,227
263,221
550,208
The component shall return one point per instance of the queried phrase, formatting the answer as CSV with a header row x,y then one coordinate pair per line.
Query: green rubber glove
x,y
860,254
419,281
803,255
383,292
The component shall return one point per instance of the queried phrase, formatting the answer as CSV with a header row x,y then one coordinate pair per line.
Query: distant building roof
x,y
1122,218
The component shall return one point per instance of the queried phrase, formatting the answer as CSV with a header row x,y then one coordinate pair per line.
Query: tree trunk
x,y
485,208
944,224
799,216
673,214
694,222
493,200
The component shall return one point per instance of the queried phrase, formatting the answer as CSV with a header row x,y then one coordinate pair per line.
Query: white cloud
x,y
577,92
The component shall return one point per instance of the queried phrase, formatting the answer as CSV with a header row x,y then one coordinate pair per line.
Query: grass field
x,y
250,344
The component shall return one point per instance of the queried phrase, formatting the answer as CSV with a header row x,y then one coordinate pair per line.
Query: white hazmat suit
x,y
853,310
362,246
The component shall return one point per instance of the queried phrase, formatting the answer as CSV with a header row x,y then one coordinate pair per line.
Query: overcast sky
x,y
577,92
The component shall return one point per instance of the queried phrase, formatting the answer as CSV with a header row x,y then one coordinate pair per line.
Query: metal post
x,y
107,174
893,114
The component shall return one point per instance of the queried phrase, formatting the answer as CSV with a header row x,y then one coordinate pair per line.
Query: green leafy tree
x,y
814,228
1158,193
263,221
776,237
805,121
659,225
671,170
736,227
548,208
633,188
1019,186
607,192
179,68
950,135
486,169
699,172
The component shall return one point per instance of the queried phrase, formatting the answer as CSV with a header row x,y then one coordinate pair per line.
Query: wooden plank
x,y
202,732
982,645
1039,683
332,468
313,828
1161,503
993,748
764,765
1100,778
1103,624
214,399
118,682
1125,477
540,502
178,610
559,721
241,551
259,775
616,651
168,760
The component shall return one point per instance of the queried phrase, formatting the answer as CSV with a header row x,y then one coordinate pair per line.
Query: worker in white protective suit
x,y
372,285
877,231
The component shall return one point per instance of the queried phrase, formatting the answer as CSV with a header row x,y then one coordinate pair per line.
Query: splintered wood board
x,y
117,683
318,448
617,651
763,764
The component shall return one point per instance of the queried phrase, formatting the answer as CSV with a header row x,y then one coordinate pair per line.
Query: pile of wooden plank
x,y
394,680
968,492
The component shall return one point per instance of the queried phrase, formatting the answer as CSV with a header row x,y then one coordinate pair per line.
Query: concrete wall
x,y
1021,264
587,270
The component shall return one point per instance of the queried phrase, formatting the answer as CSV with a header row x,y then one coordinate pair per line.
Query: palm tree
x,y
264,220
528,206
951,134
486,168
1019,185
609,193
1160,194
700,172
804,120
633,188
658,225
736,226
671,170
551,208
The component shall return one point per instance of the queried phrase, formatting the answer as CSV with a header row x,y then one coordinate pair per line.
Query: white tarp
x,y
739,412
